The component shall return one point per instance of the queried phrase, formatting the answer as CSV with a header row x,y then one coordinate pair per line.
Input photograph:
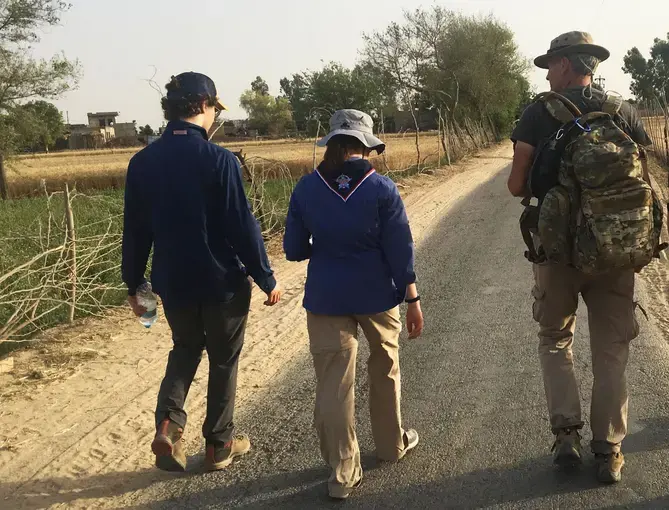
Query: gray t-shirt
x,y
536,124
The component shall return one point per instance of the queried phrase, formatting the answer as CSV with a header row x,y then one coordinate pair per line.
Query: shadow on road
x,y
654,436
525,482
515,484
43,493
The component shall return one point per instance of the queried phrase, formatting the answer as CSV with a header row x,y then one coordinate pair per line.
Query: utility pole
x,y
601,81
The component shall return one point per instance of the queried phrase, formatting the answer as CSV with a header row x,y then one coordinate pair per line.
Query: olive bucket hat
x,y
570,43
356,124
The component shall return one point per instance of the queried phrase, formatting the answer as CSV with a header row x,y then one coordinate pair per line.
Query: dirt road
x,y
471,386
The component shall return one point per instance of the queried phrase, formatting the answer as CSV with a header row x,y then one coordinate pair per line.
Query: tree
x,y
259,86
146,131
296,91
23,77
269,115
45,124
32,126
650,78
469,66
312,95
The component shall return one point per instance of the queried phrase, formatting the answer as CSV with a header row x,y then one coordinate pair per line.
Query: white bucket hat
x,y
356,124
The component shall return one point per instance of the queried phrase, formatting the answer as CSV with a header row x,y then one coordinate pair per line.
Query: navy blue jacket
x,y
185,197
353,228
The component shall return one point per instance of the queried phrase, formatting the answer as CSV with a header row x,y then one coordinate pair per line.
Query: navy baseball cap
x,y
194,84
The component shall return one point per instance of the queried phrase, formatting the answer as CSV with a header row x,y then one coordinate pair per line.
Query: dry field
x,y
105,169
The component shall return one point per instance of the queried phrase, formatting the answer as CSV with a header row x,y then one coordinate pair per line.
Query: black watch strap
x,y
414,300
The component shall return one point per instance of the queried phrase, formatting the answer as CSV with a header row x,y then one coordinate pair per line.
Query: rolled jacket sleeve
x,y
396,240
244,231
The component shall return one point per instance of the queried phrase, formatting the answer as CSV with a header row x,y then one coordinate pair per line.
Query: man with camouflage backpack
x,y
580,152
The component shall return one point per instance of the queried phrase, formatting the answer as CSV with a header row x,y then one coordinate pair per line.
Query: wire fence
x,y
655,116
67,271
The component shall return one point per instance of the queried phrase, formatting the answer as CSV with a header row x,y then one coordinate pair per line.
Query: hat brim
x,y
368,140
599,52
220,105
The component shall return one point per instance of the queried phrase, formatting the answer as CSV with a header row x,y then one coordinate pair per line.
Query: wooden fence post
x,y
382,131
417,138
245,170
71,252
439,141
318,134
3,180
445,137
666,140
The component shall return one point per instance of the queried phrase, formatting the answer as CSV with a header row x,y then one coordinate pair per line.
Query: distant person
x,y
580,152
184,197
351,224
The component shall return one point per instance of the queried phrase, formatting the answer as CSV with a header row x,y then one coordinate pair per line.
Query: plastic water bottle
x,y
147,299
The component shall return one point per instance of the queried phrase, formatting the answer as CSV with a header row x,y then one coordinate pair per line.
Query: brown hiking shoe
x,y
609,467
221,456
168,447
567,448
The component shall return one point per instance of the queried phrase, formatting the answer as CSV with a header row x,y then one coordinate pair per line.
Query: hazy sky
x,y
119,41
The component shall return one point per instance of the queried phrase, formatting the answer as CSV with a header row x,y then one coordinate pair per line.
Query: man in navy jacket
x,y
185,198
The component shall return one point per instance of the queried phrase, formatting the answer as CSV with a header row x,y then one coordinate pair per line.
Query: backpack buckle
x,y
587,128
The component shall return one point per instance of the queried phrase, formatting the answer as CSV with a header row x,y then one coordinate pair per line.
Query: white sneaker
x,y
342,492
411,440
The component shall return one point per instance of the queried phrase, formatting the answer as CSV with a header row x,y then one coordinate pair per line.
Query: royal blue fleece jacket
x,y
352,226
185,197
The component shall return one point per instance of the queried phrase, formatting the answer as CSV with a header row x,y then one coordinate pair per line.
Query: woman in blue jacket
x,y
351,224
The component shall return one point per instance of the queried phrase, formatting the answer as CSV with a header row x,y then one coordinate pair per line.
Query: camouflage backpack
x,y
602,215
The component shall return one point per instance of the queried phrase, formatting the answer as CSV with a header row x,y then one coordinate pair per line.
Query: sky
x,y
122,44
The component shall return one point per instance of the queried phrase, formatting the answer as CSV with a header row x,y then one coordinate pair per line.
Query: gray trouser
x,y
219,328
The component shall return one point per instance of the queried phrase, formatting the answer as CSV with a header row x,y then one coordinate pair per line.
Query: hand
x,y
138,309
273,297
414,320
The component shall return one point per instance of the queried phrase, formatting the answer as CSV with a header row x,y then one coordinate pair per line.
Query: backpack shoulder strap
x,y
559,106
612,104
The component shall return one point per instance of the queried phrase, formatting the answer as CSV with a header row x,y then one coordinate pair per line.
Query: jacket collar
x,y
346,179
182,128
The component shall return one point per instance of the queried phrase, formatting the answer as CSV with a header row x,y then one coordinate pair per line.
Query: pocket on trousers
x,y
538,305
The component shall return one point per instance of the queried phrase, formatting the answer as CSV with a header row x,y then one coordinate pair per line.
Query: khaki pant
x,y
610,303
334,346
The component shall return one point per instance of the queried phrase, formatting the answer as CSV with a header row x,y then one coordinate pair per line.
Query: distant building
x,y
81,136
126,129
101,130
104,122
